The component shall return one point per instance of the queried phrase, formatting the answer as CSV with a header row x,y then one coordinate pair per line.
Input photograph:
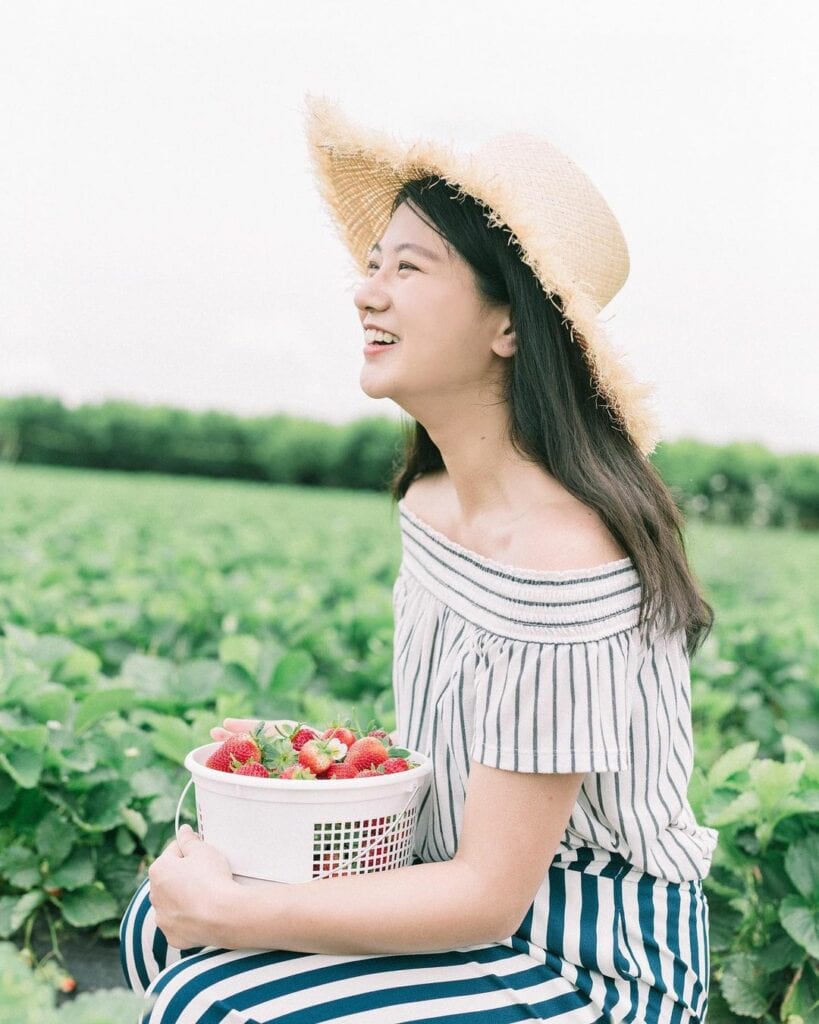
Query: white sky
x,y
162,239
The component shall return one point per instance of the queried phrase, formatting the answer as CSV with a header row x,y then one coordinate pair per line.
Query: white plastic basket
x,y
295,830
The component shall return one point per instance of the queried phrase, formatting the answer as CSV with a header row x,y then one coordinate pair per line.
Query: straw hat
x,y
561,224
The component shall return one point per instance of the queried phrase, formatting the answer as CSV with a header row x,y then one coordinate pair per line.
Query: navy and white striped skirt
x,y
603,943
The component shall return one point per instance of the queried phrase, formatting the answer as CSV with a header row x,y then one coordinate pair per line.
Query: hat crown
x,y
550,202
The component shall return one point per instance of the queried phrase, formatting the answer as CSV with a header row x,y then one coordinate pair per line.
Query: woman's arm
x,y
414,909
417,908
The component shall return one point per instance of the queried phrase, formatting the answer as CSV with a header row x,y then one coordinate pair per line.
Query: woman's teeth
x,y
379,337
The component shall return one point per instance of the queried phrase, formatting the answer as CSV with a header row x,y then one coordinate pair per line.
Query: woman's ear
x,y
505,343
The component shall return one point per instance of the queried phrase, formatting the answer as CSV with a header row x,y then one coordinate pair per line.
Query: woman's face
x,y
450,344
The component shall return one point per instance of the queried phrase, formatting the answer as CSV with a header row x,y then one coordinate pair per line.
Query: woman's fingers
x,y
240,724
232,726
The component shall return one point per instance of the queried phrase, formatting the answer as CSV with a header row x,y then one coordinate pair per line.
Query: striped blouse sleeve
x,y
554,707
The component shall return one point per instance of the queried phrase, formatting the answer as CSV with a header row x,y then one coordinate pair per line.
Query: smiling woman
x,y
545,617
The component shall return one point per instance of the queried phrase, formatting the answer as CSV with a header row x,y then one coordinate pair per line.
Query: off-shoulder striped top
x,y
538,671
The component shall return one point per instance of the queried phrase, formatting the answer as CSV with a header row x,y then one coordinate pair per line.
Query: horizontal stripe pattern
x,y
560,607
610,945
545,672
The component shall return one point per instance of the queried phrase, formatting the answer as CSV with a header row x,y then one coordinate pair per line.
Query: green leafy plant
x,y
763,887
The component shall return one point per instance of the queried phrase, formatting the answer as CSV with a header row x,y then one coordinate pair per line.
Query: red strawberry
x,y
329,864
395,764
339,770
254,769
316,755
297,771
367,751
301,736
347,736
376,858
242,748
379,734
368,773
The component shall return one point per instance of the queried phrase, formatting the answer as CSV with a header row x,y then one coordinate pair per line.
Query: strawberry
x,y
368,773
347,736
379,734
395,764
297,771
242,748
367,751
302,735
252,768
316,755
376,858
329,864
340,771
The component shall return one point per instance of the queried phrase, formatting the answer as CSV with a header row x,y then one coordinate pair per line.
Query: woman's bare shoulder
x,y
554,537
426,493
565,539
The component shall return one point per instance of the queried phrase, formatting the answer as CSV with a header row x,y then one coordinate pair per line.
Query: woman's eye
x,y
374,266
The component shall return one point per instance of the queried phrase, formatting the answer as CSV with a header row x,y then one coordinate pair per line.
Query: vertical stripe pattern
x,y
525,671
546,672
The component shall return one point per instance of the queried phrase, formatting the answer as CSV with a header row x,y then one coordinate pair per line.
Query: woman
x,y
545,616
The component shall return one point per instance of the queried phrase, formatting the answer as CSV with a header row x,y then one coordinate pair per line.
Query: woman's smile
x,y
372,347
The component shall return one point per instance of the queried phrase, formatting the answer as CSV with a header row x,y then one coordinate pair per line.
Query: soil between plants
x,y
92,961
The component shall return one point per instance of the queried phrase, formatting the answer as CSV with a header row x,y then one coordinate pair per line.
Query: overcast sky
x,y
162,239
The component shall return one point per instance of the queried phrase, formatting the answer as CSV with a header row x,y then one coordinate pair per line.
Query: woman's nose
x,y
369,296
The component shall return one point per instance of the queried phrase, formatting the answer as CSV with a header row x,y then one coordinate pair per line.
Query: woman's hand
x,y
276,727
232,726
193,892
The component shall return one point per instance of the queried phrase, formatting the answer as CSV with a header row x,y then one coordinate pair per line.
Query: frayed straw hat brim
x,y
562,226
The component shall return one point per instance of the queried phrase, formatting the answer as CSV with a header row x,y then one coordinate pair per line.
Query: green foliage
x,y
735,483
127,634
763,887
740,483
125,436
137,612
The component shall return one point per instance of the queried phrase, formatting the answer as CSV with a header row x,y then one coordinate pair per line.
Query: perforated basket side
x,y
371,843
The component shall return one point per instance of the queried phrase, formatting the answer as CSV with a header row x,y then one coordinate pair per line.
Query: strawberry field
x,y
137,611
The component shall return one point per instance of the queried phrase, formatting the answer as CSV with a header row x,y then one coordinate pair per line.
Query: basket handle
x,y
188,785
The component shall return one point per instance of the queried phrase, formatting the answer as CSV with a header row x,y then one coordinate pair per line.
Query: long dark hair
x,y
557,420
